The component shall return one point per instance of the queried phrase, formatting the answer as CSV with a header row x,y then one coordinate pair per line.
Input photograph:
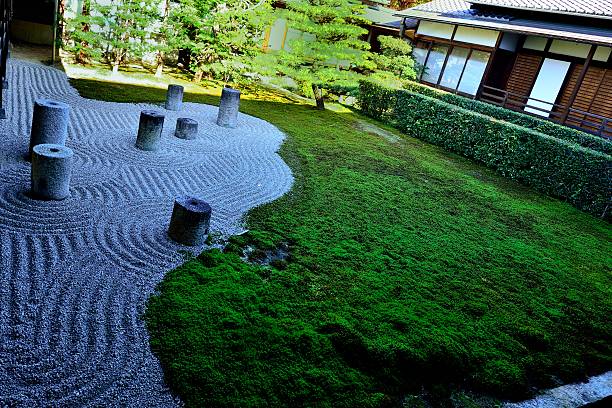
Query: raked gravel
x,y
75,274
570,395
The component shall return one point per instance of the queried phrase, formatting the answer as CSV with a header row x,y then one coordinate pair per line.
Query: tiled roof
x,y
461,12
458,8
592,8
386,17
380,15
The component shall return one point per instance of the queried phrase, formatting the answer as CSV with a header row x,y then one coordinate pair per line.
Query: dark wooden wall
x,y
524,74
594,96
36,11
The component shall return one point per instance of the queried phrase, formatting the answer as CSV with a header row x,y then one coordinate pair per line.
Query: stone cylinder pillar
x,y
49,123
51,171
190,221
150,130
228,108
186,128
174,97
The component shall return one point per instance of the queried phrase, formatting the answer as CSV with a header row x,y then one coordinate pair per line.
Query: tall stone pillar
x,y
190,222
228,108
174,97
49,123
150,130
51,171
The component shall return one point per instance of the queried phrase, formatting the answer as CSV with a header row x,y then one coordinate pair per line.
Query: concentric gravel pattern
x,y
75,274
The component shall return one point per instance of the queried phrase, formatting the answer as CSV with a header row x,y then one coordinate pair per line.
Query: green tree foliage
x,y
224,40
223,37
117,31
394,61
163,45
84,43
128,28
330,50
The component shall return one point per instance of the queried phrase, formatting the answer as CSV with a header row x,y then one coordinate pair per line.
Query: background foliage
x,y
224,40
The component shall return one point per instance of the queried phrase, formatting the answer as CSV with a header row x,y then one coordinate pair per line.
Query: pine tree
x,y
222,38
394,63
129,27
331,50
165,33
404,4
84,43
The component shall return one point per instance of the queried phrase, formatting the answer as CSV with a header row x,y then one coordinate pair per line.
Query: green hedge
x,y
556,167
541,125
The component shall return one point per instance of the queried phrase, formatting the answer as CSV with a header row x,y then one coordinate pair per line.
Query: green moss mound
x,y
228,336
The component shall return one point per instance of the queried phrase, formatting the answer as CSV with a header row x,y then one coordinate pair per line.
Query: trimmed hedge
x,y
551,165
541,125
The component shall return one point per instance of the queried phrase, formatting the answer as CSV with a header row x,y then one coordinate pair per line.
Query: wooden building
x,y
548,58
33,21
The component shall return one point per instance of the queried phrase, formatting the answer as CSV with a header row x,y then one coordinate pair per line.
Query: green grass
x,y
412,272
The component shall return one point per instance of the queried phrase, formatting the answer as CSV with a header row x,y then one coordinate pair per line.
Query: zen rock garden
x,y
52,161
98,201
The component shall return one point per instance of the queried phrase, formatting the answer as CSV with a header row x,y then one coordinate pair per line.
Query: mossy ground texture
x,y
411,271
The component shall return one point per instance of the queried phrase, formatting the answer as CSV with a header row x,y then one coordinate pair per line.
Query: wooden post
x,y
578,84
467,59
448,53
485,75
266,39
55,25
425,61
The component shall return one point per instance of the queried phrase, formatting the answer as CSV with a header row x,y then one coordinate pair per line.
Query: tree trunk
x,y
160,55
160,65
62,13
318,95
81,56
116,64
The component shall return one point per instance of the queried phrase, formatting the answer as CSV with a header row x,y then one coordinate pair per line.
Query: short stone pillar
x,y
51,171
150,130
228,108
186,128
190,221
49,123
174,97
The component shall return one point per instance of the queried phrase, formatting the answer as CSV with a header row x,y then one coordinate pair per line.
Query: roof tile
x,y
585,7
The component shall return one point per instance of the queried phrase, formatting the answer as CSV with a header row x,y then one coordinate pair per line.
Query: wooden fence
x,y
565,115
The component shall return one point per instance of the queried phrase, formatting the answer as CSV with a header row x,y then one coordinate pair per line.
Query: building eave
x,y
544,11
520,26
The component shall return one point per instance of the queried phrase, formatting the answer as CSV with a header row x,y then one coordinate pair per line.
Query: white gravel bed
x,y
75,275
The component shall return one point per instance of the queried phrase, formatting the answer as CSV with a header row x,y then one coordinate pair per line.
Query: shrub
x,y
554,166
376,101
541,125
